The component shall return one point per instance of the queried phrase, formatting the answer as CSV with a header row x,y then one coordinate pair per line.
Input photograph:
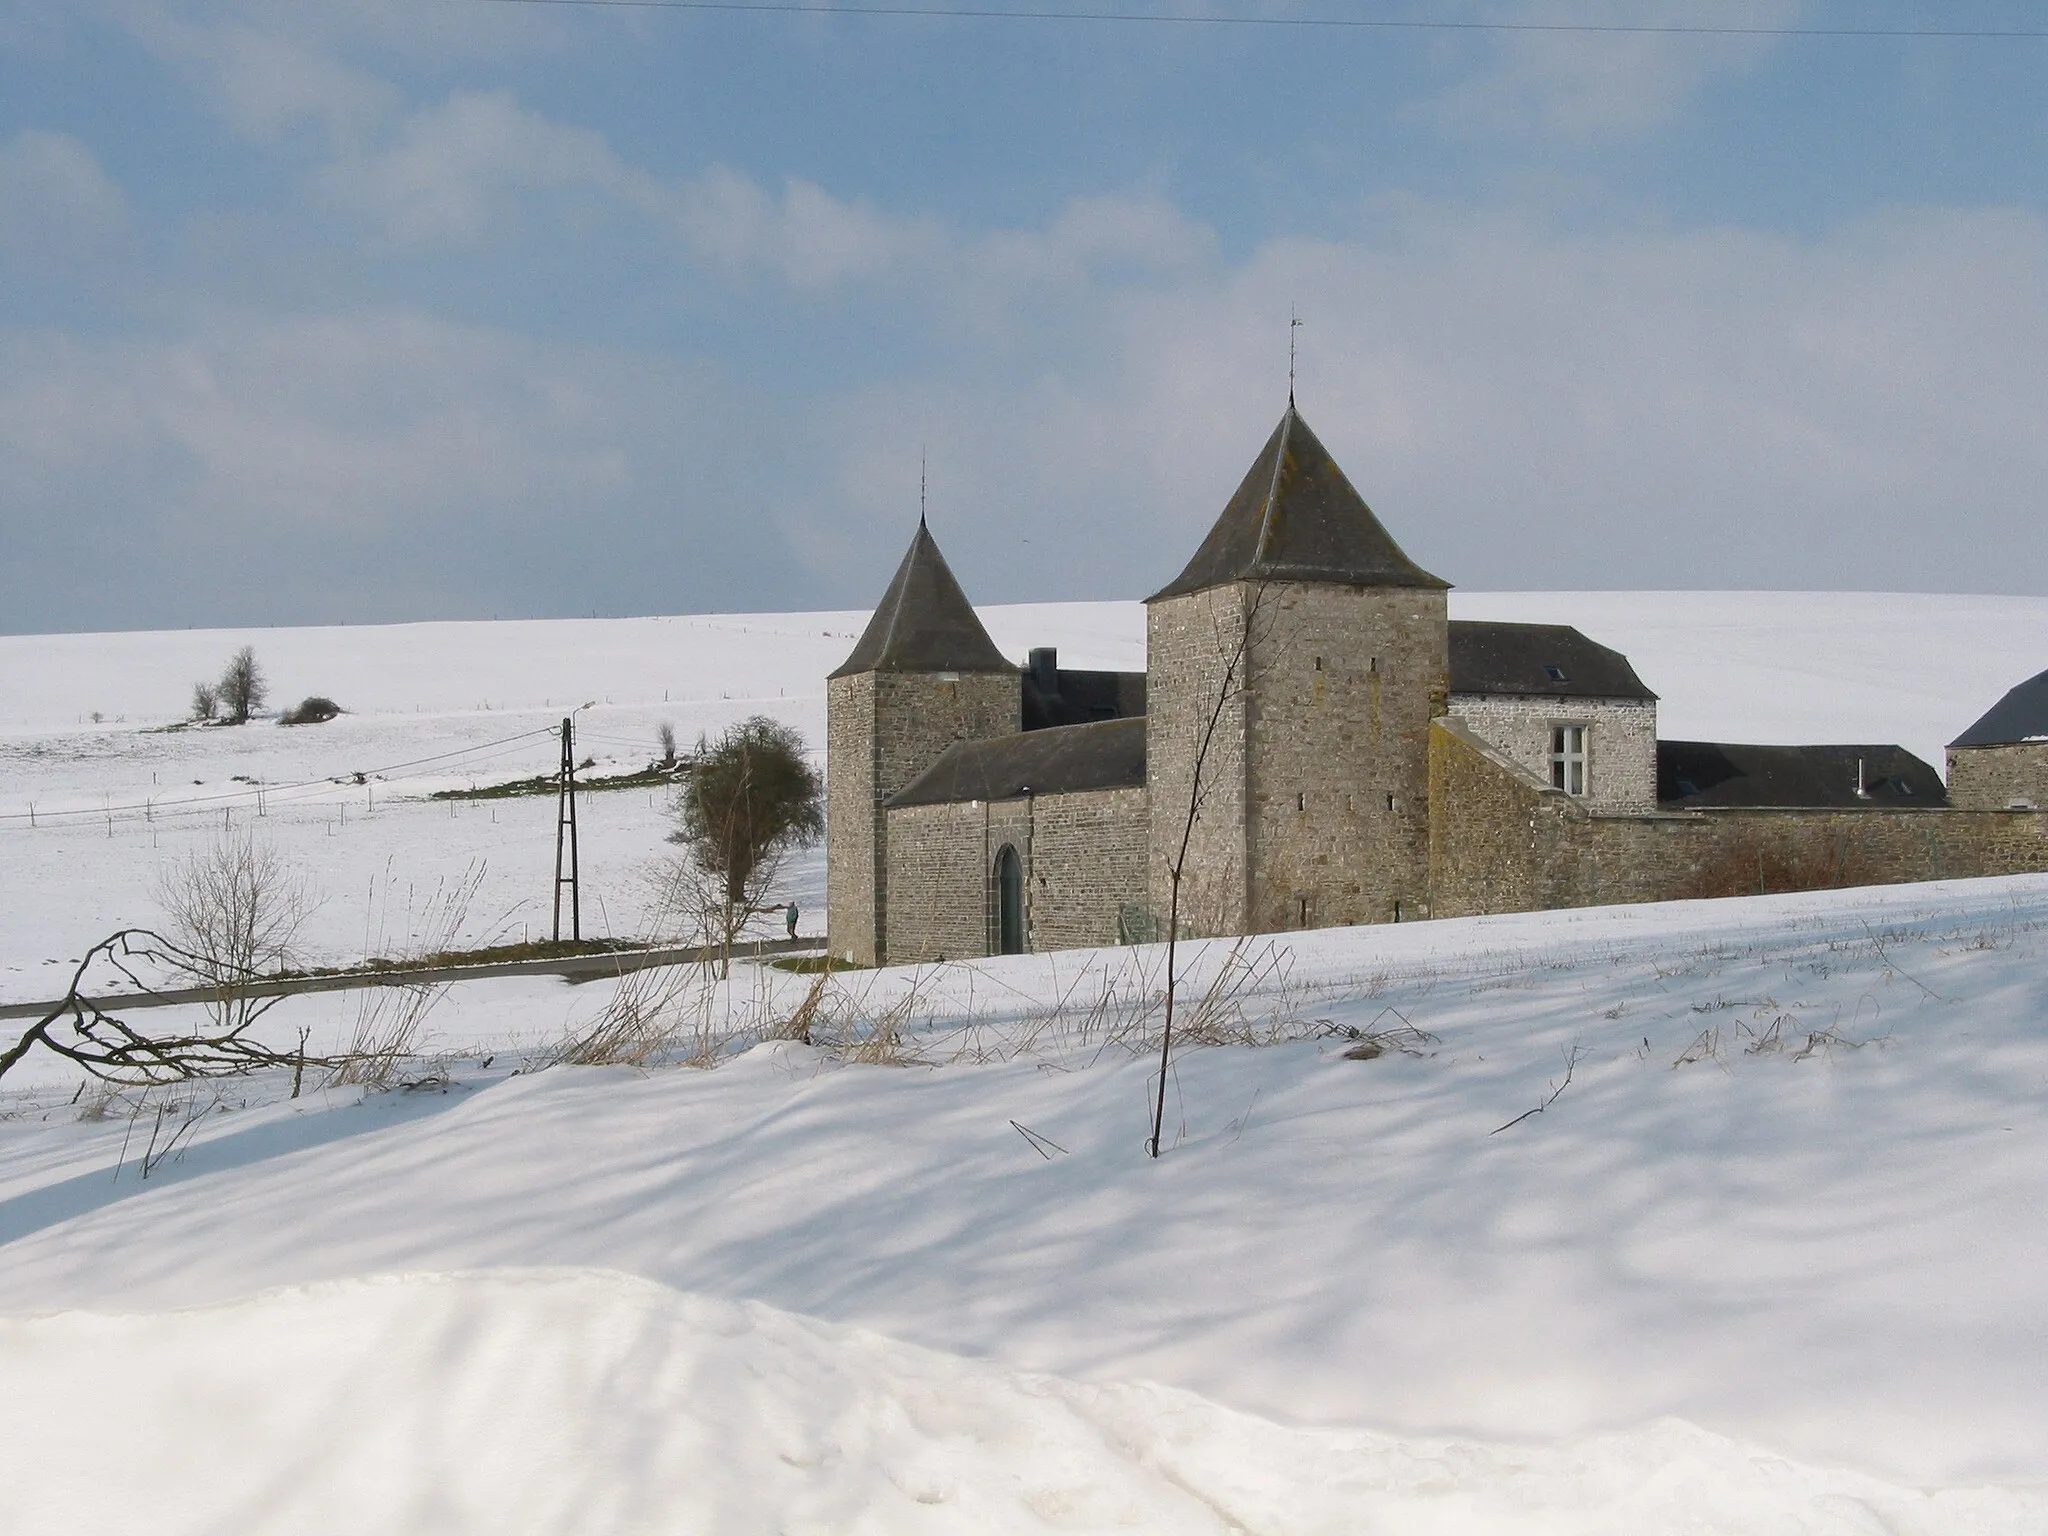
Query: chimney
x,y
1862,788
1045,669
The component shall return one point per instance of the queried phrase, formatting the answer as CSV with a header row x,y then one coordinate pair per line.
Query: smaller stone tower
x,y
1310,654
924,675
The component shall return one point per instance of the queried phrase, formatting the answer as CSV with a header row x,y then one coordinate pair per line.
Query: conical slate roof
x,y
2022,715
924,622
1296,518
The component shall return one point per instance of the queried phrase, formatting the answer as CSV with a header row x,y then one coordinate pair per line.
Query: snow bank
x,y
573,1401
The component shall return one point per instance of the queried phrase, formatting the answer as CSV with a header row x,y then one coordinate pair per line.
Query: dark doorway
x,y
1009,902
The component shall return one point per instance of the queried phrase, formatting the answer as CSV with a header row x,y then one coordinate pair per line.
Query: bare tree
x,y
205,701
1233,646
80,1029
243,687
751,797
235,910
665,736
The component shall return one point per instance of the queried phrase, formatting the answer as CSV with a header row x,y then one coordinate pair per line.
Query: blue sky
x,y
387,309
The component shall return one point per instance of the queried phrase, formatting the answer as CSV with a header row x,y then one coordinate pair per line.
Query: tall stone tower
x,y
1299,658
924,675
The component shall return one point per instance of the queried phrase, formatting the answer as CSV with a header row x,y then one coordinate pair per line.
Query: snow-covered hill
x,y
1769,1260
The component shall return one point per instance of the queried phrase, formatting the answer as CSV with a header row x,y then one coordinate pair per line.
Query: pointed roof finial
x,y
920,487
924,622
1293,325
1297,518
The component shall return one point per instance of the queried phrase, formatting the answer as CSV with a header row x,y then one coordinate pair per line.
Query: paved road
x,y
574,967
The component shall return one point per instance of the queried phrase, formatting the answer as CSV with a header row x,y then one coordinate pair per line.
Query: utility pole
x,y
565,836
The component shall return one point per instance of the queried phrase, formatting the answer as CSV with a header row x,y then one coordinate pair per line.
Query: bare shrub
x,y
236,909
665,737
314,709
205,701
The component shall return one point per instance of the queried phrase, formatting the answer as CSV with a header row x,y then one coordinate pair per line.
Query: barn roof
x,y
1297,518
2022,715
1709,775
1062,759
1546,659
924,622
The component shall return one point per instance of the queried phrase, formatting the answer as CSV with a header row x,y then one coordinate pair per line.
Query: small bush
x,y
311,710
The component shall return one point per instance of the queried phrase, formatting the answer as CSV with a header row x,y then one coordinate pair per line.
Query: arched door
x,y
1009,902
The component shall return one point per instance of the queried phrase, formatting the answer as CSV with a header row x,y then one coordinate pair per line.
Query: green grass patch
x,y
812,965
651,777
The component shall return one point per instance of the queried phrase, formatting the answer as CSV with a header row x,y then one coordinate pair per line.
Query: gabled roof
x,y
1062,759
2022,715
1296,518
924,622
1705,775
1554,660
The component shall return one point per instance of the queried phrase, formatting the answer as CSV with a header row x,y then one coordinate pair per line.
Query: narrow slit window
x,y
1568,758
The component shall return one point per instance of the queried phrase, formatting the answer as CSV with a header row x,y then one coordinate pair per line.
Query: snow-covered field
x,y
1770,1260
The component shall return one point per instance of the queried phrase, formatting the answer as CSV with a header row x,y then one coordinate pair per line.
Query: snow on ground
x,y
577,1400
90,811
1768,1261
1791,1197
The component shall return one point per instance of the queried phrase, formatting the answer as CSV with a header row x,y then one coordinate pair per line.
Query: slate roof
x,y
2022,715
1706,775
1296,518
1547,659
1062,759
924,622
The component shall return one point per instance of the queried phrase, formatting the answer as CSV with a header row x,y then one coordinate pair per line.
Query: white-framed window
x,y
1568,758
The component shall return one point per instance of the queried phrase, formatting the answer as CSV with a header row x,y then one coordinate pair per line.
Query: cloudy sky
x,y
365,310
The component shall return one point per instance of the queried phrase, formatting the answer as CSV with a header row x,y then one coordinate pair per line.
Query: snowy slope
x,y
1793,1193
1784,1214
569,1401
447,705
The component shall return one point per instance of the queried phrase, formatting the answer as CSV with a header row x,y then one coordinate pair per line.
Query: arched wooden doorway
x,y
1009,902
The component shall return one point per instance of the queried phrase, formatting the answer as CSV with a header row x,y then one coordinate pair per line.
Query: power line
x,y
1343,23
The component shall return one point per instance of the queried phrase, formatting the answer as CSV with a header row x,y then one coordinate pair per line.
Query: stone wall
x,y
883,729
1083,858
1087,865
1502,840
1190,643
1621,741
938,883
1344,684
1995,778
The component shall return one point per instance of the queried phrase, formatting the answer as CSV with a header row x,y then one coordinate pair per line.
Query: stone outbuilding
x,y
1315,742
2001,762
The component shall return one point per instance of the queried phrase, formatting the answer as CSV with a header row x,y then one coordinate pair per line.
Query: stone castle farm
x,y
1314,742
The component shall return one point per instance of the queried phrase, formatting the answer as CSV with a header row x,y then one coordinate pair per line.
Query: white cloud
x,y
1592,86
1524,407
452,171
55,195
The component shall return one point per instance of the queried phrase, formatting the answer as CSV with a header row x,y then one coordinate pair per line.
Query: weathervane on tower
x,y
1293,325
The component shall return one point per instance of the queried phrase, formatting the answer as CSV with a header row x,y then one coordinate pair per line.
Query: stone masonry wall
x,y
1344,684
883,729
1083,858
938,884
1621,741
1993,778
1188,647
1503,840
1087,864
852,828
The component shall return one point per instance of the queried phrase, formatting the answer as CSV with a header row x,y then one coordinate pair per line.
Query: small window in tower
x,y
1301,802
1390,802
1303,900
1373,665
1556,674
1568,758
1319,663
